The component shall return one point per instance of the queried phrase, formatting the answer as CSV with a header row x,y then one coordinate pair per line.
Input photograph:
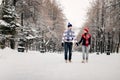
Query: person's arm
x,y
74,37
79,41
63,39
90,40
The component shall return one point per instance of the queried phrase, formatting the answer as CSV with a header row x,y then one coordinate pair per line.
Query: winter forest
x,y
32,45
103,20
38,25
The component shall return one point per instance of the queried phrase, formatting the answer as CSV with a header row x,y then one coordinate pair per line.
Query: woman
x,y
85,40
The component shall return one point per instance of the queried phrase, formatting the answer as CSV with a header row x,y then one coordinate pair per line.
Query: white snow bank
x,y
51,66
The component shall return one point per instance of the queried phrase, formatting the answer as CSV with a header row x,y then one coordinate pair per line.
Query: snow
x,y
3,23
30,37
8,16
51,66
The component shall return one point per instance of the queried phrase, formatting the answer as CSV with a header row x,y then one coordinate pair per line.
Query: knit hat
x,y
69,25
86,29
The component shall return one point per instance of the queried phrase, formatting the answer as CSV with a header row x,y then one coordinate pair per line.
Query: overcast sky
x,y
75,11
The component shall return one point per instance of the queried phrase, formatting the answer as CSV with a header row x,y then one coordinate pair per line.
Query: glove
x,y
77,44
62,44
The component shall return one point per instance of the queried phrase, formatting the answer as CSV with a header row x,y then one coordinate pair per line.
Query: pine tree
x,y
8,23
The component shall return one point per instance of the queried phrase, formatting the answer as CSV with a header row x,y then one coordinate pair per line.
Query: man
x,y
67,42
85,40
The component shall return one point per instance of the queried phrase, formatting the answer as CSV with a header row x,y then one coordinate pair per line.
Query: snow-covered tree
x,y
8,22
42,16
104,25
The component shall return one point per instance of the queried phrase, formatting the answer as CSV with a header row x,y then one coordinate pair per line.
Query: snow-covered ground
x,y
51,66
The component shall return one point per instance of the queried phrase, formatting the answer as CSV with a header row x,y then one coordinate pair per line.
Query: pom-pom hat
x,y
69,25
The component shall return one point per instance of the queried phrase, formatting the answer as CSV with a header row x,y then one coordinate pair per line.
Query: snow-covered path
x,y
51,66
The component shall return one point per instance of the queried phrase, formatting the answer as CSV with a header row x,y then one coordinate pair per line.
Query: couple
x,y
67,43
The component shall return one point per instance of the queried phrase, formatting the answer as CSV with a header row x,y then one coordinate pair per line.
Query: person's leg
x,y
70,51
66,50
87,53
83,53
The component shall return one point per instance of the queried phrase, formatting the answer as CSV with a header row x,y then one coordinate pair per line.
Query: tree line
x,y
41,23
103,21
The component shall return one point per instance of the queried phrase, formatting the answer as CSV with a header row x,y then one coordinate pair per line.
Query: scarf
x,y
86,36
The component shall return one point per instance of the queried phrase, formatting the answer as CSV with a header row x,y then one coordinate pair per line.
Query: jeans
x,y
68,48
85,50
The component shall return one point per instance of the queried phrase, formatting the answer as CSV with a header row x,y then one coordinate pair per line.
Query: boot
x,y
65,61
83,61
70,61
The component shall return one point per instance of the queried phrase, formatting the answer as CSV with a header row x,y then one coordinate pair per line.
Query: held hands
x,y
76,44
